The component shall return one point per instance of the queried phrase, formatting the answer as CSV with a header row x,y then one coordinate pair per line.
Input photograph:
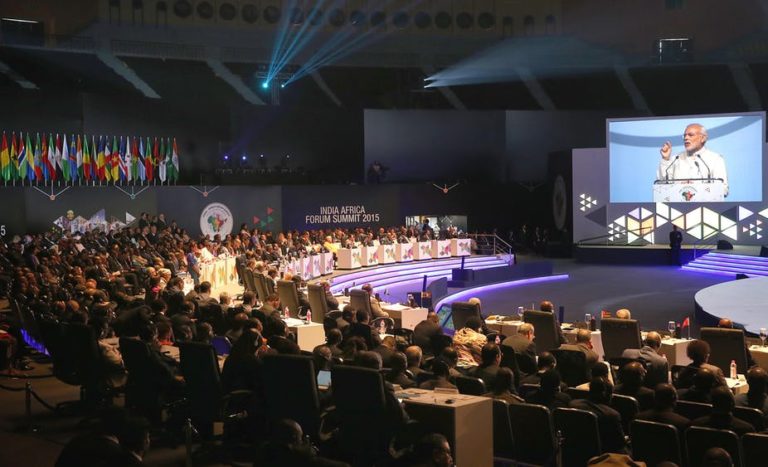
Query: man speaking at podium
x,y
697,162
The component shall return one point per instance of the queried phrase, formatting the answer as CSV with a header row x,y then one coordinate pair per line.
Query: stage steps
x,y
729,264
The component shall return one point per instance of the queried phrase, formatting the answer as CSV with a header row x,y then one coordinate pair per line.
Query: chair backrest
x,y
290,390
360,300
462,311
532,428
698,439
752,416
470,385
546,329
619,334
627,407
755,449
526,390
692,410
383,324
440,342
317,302
654,442
405,333
203,380
289,297
581,438
66,367
221,345
503,442
509,360
50,332
726,345
250,283
357,391
572,365
141,389
260,284
577,393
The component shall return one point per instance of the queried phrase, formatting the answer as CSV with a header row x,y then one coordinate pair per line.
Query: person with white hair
x,y
695,162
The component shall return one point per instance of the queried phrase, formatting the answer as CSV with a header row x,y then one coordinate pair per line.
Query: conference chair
x,y
462,311
404,333
289,297
619,334
526,390
752,416
213,314
572,365
532,427
699,439
141,391
577,393
654,442
221,345
360,300
692,410
726,345
317,302
627,407
290,391
503,442
250,284
263,290
470,385
509,359
581,437
547,335
385,324
755,449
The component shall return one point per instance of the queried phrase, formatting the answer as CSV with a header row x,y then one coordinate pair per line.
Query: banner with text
x,y
317,207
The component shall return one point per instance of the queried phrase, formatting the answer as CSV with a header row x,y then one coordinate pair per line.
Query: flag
x,y
30,155
25,166
64,158
87,167
149,165
5,160
161,167
72,158
38,164
101,162
107,160
141,167
174,163
78,172
94,158
126,167
49,173
686,323
134,159
115,160
14,155
121,161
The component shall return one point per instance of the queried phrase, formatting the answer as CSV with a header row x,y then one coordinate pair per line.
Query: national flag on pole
x,y
14,158
75,158
134,159
161,167
686,322
148,163
25,163
87,167
54,155
94,158
5,160
174,163
105,159
123,165
30,156
115,160
45,155
126,167
141,162
38,159
64,161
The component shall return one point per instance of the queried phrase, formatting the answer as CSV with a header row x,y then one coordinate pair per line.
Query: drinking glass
x,y
763,335
587,318
520,311
671,326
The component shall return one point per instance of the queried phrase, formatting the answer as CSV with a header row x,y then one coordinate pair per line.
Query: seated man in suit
x,y
546,362
333,304
441,371
726,323
525,348
397,374
424,330
363,329
583,344
546,305
489,366
698,351
608,419
701,390
722,417
375,307
632,376
657,365
663,411
503,387
757,396
414,356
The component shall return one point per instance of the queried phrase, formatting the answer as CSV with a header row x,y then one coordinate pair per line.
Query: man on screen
x,y
696,162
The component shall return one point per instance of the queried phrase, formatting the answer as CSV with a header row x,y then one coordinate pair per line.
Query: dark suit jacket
x,y
667,416
591,355
423,332
525,352
608,424
644,396
658,367
370,337
725,422
487,374
685,377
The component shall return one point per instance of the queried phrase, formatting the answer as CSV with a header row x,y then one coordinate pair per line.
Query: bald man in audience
x,y
546,305
623,314
656,364
663,411
756,397
583,344
425,330
524,347
726,323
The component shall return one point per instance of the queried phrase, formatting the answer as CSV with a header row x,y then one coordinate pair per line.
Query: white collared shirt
x,y
703,164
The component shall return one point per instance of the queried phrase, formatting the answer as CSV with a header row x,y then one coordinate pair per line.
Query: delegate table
x,y
405,317
461,247
369,256
404,252
308,335
467,422
508,328
441,248
348,258
422,251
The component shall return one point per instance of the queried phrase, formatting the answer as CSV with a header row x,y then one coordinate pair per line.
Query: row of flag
x,y
45,158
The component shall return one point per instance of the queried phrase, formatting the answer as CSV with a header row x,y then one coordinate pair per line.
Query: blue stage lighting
x,y
282,85
265,84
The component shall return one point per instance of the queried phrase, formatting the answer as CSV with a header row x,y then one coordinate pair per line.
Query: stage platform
x,y
743,301
659,255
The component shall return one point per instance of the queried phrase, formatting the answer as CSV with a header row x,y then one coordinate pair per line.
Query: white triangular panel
x,y
758,222
649,237
695,231
583,209
764,213
662,210
589,199
707,230
634,213
680,222
744,229
693,217
731,232
759,236
674,212
582,196
744,213
726,223
631,237
622,221
645,213
660,221
711,218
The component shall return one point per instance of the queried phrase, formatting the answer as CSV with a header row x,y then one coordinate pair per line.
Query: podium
x,y
403,252
369,256
699,190
422,250
326,263
386,254
461,247
441,249
348,258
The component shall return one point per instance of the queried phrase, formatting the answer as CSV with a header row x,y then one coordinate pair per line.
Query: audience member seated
x,y
451,357
414,355
608,419
757,379
424,330
242,368
703,382
583,344
503,387
347,317
525,348
288,446
632,377
375,307
722,417
663,411
361,328
545,363
351,347
333,340
432,450
440,370
546,305
698,351
386,349
623,314
489,365
550,392
726,323
468,342
717,457
333,303
282,340
657,365
397,373
270,308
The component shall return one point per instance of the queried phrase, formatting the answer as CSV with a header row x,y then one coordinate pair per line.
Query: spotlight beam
x,y
300,40
282,34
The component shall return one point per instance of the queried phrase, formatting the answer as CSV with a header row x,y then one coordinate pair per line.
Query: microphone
x,y
709,171
666,172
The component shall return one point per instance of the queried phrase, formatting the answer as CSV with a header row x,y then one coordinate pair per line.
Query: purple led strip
x,y
499,285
